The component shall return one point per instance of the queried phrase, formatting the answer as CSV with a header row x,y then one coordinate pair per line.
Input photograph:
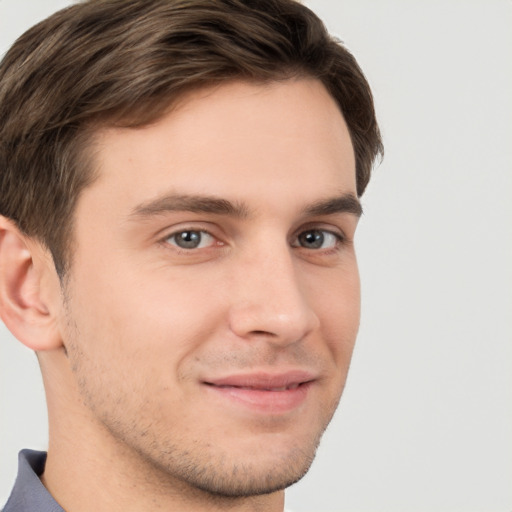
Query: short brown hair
x,y
124,62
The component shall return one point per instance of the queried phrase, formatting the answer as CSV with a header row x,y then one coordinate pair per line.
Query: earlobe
x,y
23,308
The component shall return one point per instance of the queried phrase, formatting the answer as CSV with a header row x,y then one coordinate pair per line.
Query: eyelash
x,y
202,232
337,239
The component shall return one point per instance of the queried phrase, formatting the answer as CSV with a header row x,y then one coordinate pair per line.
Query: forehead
x,y
238,138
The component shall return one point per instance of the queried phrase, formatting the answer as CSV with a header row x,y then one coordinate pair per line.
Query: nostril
x,y
263,333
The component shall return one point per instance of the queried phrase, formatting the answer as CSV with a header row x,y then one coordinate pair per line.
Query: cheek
x,y
144,323
339,307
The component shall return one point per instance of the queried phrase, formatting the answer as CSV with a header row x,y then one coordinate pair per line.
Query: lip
x,y
270,393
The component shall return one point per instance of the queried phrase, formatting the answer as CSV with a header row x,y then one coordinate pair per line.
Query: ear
x,y
28,298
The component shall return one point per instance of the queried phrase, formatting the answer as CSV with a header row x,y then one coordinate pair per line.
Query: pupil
x,y
312,239
188,239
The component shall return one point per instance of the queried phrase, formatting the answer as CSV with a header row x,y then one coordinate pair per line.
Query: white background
x,y
426,420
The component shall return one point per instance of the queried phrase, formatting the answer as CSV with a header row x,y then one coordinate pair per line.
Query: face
x,y
213,300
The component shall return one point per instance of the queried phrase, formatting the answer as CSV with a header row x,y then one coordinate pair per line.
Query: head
x,y
202,160
104,63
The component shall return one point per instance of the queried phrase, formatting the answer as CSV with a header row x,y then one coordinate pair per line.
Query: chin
x,y
251,478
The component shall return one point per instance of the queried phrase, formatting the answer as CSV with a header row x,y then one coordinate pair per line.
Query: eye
x,y
191,239
317,239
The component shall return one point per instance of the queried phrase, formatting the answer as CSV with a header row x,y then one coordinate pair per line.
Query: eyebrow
x,y
189,203
346,203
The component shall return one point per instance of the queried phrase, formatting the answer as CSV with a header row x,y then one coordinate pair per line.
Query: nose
x,y
270,300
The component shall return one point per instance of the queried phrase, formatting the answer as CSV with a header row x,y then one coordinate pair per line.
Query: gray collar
x,y
29,494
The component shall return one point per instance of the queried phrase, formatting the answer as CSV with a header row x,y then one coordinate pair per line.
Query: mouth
x,y
254,388
264,392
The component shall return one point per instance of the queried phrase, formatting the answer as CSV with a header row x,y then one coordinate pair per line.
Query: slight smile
x,y
265,392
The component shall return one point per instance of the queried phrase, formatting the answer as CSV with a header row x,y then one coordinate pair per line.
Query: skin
x,y
131,345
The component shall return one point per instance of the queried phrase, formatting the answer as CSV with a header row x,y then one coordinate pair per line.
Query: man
x,y
180,183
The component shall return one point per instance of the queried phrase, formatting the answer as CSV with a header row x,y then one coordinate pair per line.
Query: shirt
x,y
29,494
